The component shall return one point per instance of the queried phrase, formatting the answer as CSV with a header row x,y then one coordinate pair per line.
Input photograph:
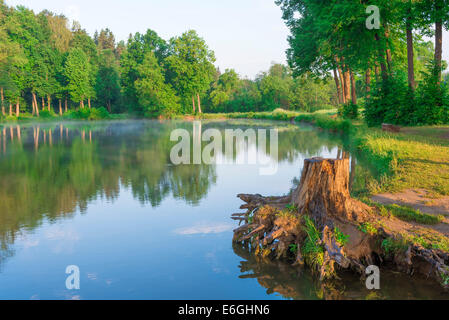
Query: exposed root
x,y
321,226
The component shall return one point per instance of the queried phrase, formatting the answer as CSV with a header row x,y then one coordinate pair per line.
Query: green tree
x,y
154,95
77,72
190,67
107,85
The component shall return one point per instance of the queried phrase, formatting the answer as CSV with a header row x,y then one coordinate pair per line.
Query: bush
x,y
45,114
88,114
349,111
433,101
386,101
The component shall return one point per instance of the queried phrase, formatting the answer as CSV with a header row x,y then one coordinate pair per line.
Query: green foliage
x,y
433,101
341,238
89,114
410,214
292,207
77,71
45,114
190,68
349,111
154,95
312,250
392,246
368,228
293,249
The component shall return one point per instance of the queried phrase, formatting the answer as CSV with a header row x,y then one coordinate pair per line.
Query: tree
x,y
222,92
77,72
107,85
105,40
156,96
132,57
190,66
275,87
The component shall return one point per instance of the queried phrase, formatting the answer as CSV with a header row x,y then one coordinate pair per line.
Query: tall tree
x,y
154,94
77,72
190,66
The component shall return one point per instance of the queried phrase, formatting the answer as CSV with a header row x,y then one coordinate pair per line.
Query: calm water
x,y
105,197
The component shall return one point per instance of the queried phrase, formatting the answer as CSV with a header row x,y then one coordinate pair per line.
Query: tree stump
x,y
281,227
323,192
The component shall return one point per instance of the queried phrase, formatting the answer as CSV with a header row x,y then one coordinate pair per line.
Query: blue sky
x,y
247,35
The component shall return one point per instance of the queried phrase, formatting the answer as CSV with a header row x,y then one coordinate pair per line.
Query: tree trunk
x,y
438,48
10,108
193,102
60,107
65,105
88,103
337,84
342,82
3,101
383,67
323,197
48,103
43,104
109,106
199,103
82,104
323,192
347,81
35,104
353,89
18,107
410,56
387,50
368,83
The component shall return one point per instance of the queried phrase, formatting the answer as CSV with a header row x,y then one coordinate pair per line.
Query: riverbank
x,y
400,233
417,158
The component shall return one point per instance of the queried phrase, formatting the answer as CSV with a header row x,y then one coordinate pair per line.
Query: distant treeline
x,y
374,50
47,67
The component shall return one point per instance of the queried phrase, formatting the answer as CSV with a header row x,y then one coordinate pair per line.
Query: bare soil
x,y
419,199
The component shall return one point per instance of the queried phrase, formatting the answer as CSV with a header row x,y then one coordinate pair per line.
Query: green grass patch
x,y
404,213
312,250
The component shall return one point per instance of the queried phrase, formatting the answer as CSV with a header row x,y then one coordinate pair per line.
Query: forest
x,y
399,69
390,74
50,68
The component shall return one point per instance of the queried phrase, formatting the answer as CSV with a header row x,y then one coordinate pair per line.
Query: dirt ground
x,y
420,200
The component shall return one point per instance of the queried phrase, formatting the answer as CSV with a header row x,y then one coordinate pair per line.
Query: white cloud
x,y
205,228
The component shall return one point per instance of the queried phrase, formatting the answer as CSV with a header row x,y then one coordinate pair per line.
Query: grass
x,y
312,250
392,246
429,239
341,238
80,114
368,228
408,162
404,213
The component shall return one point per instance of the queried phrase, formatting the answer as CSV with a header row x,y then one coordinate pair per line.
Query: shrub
x,y
433,101
45,114
88,114
386,100
349,111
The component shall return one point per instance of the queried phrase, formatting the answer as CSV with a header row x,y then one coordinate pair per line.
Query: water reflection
x,y
281,278
49,172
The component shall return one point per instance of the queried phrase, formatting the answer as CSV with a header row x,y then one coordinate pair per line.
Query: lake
x,y
105,197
